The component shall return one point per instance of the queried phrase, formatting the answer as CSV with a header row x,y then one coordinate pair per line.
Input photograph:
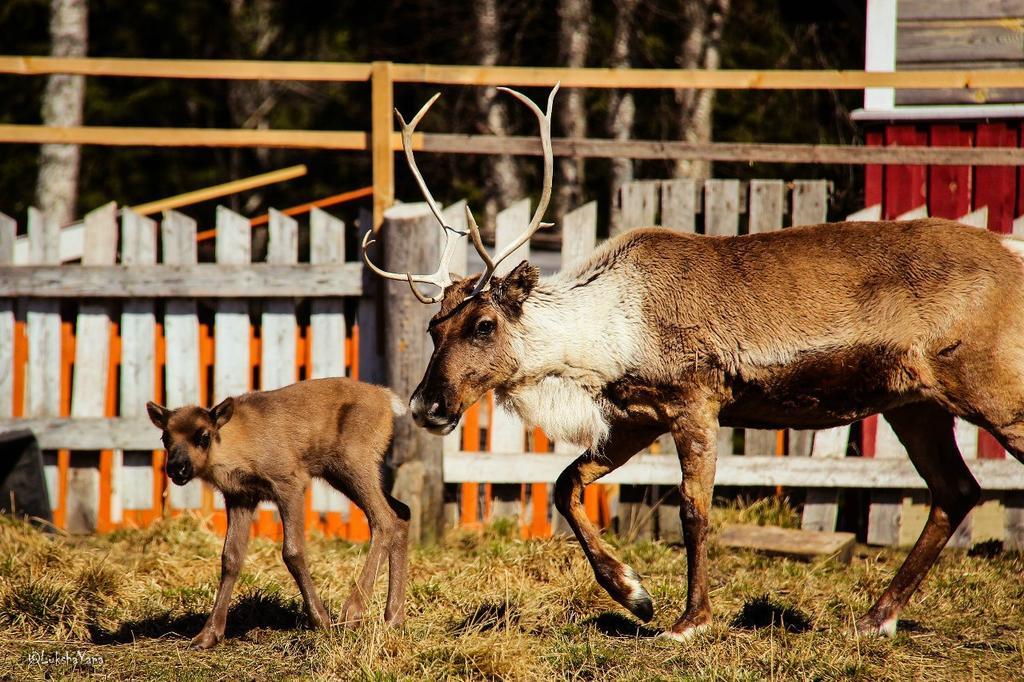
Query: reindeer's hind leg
x,y
926,430
292,505
389,532
621,581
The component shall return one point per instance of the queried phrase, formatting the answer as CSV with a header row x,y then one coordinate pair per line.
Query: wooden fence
x,y
89,344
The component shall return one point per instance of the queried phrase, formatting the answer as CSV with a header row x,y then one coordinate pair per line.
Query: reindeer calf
x,y
268,445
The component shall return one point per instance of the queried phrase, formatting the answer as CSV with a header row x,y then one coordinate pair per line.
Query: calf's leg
x,y
291,505
926,431
236,540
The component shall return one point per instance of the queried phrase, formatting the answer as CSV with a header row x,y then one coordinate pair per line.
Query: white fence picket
x,y
91,373
133,485
327,334
181,334
43,329
8,230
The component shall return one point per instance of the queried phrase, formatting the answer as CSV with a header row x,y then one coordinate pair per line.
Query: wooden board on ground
x,y
790,542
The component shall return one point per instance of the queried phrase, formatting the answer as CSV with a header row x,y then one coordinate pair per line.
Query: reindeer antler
x,y
441,277
490,264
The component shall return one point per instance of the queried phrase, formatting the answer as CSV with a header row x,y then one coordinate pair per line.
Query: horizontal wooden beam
x,y
206,280
88,433
491,144
226,69
110,136
722,79
726,151
745,471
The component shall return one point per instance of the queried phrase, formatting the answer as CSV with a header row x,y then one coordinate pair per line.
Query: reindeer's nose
x,y
431,413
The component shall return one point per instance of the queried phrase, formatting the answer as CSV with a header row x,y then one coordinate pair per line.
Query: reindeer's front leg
x,y
695,439
621,581
236,541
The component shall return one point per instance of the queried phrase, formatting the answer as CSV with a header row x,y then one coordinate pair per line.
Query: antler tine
x,y
544,119
407,131
439,278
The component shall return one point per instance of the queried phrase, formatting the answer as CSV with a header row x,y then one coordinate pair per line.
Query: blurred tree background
x,y
768,34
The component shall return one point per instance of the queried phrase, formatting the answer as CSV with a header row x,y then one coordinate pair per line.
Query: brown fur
x,y
808,327
268,446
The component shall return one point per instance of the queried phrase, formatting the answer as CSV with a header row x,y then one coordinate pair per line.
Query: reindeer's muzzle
x,y
433,414
179,468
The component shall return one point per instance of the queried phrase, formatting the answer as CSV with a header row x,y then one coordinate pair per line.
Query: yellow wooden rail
x,y
722,79
221,190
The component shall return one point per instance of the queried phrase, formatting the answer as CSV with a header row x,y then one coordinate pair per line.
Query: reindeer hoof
x,y
637,599
685,634
872,626
206,639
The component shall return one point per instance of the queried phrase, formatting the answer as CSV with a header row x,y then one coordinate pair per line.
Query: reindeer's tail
x,y
398,405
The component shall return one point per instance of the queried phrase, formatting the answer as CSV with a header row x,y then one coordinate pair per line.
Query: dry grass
x,y
488,606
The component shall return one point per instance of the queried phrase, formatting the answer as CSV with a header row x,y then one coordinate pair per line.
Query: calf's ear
x,y
221,414
158,414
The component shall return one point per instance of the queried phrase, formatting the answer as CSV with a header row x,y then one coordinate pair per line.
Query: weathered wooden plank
x,y
767,205
579,233
507,430
91,372
722,218
257,280
8,230
680,203
277,325
133,470
810,202
821,509
42,397
951,41
639,204
908,10
733,470
960,96
789,542
409,236
231,321
181,332
327,331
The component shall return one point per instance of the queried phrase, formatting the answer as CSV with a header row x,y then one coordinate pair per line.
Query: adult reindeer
x,y
806,328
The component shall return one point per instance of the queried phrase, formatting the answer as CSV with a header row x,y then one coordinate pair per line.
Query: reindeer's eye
x,y
484,328
202,439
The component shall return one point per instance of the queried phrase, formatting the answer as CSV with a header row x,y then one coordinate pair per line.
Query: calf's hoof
x,y
624,586
206,639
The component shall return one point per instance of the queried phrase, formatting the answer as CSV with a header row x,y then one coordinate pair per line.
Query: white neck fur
x,y
572,341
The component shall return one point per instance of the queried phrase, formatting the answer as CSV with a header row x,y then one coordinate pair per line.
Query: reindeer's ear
x,y
221,414
158,414
511,291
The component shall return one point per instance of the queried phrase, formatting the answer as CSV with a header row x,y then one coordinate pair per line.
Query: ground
x,y
484,605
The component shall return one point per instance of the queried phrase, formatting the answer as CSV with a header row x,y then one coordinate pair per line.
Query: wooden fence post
x,y
409,236
181,332
134,485
382,125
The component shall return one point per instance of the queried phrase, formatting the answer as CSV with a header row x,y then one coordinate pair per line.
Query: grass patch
x,y
487,605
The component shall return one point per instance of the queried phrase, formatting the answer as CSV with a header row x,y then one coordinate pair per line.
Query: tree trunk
x,y
574,40
621,110
57,184
705,20
502,184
